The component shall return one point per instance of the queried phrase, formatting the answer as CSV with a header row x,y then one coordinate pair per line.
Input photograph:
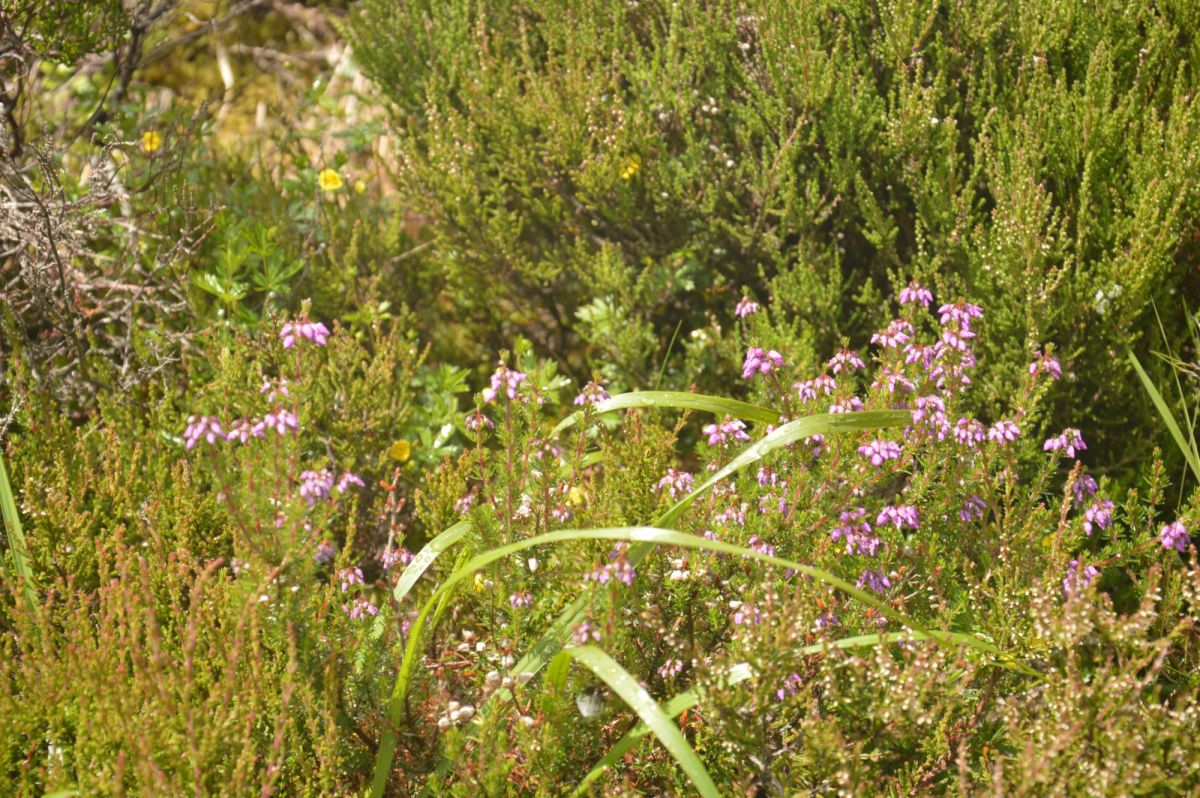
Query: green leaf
x,y
16,541
652,715
1189,452
677,400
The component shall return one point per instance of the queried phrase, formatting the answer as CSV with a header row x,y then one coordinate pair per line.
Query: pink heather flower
x,y
324,553
879,451
720,434
620,570
361,608
464,503
1175,536
389,558
592,393
1098,516
851,404
561,513
199,428
477,421
292,331
1003,432
746,307
875,580
902,515
766,477
857,533
760,362
959,313
241,431
968,432
670,668
585,633
817,442
847,359
273,388
972,509
347,479
915,292
315,485
827,620
892,379
735,514
349,577
1084,488
677,483
280,420
1075,580
896,334
506,381
930,407
747,614
790,686
1069,441
522,598
1045,363
922,354
760,546
955,339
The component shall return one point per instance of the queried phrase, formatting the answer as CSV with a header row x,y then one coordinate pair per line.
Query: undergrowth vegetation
x,y
599,398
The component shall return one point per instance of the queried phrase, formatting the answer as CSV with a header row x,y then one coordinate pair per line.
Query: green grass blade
x,y
738,673
677,400
16,541
651,714
1189,452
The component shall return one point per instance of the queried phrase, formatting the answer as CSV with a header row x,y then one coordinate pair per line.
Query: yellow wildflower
x,y
480,583
329,180
401,451
575,496
151,141
632,167
360,186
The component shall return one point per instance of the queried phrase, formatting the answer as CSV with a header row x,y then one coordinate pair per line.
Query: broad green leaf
x,y
1189,452
652,715
16,540
677,400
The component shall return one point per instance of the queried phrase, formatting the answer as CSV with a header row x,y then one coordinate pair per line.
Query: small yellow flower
x,y
632,167
329,180
401,451
360,186
151,141
480,583
575,496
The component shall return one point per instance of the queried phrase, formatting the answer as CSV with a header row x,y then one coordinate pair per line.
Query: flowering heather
x,y
505,381
585,633
745,307
348,480
747,615
592,393
1045,364
845,359
851,404
315,485
856,531
206,428
1003,432
1175,536
922,355
879,451
670,669
874,580
760,362
1076,580
280,420
896,334
389,558
477,421
360,608
349,577
728,430
1068,442
324,553
1098,516
676,483
521,599
1084,488
972,509
902,515
892,379
293,331
959,314
914,293
274,388
968,432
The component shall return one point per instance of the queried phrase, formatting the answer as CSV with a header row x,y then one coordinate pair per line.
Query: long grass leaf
x,y
1189,452
16,540
677,400
651,714
738,673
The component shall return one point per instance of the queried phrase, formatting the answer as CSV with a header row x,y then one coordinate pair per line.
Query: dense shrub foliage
x,y
599,398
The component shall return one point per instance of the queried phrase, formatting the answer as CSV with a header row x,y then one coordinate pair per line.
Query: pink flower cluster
x,y
293,331
760,362
1068,442
504,381
676,483
729,429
